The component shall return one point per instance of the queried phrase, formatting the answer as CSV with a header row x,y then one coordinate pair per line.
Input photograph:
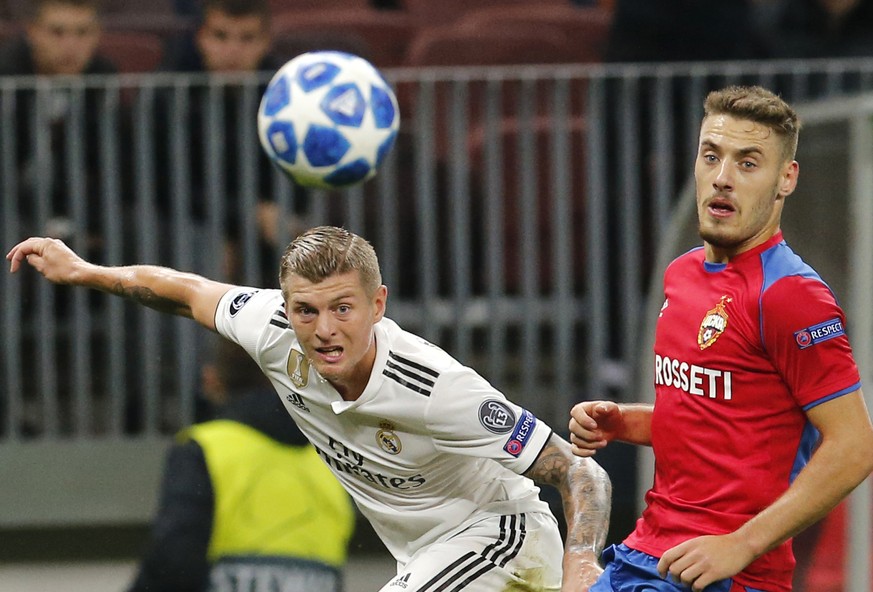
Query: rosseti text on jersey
x,y
693,379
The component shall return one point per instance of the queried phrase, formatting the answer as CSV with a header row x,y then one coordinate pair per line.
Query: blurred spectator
x,y
232,40
60,39
823,29
57,175
682,30
232,36
245,498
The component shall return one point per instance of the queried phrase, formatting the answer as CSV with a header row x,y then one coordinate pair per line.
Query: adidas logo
x,y
297,401
402,581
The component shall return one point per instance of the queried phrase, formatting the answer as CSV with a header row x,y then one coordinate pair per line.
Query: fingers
x,y
584,429
604,410
688,564
49,256
588,419
667,560
587,449
21,251
585,437
581,414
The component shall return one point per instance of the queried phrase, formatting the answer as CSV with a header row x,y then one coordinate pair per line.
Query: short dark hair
x,y
37,6
755,103
239,8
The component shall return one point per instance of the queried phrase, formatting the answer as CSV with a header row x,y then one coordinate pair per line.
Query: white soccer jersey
x,y
428,446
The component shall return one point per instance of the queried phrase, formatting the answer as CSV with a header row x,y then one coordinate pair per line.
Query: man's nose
x,y
724,179
324,326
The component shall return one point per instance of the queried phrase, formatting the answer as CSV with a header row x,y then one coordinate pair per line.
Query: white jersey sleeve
x,y
468,416
243,314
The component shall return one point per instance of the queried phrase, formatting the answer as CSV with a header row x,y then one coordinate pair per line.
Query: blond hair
x,y
324,251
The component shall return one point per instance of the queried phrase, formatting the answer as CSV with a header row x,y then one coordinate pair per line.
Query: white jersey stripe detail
x,y
279,319
412,364
504,549
409,373
470,566
448,576
409,385
488,566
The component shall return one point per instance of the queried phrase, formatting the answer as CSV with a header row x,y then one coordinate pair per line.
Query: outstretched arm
x,y
160,288
586,495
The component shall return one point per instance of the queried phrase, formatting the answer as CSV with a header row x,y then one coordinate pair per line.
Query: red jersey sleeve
x,y
804,333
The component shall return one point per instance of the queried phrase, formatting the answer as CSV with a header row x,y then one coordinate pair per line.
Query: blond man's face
x,y
333,320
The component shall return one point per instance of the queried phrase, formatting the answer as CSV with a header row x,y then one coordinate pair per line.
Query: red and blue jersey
x,y
742,350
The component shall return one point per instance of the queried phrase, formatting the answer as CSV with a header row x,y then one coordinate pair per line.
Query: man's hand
x,y
49,256
593,424
703,560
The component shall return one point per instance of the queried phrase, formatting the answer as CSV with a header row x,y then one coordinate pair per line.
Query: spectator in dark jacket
x,y
60,40
54,186
231,44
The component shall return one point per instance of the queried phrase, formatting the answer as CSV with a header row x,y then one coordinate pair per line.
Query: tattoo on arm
x,y
147,297
585,492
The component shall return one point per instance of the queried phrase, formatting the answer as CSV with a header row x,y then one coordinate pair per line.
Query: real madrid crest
x,y
387,439
298,368
714,324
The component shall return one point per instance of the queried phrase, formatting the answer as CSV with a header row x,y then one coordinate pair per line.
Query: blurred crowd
x,y
100,36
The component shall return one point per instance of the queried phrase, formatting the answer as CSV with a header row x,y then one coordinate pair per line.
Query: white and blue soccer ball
x,y
328,119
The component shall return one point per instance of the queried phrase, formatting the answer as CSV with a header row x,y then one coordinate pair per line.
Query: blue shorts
x,y
628,570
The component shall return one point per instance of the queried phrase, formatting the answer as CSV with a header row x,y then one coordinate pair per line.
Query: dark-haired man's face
x,y
232,43
63,38
742,178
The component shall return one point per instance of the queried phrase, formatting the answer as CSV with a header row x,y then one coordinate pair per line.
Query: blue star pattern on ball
x,y
328,119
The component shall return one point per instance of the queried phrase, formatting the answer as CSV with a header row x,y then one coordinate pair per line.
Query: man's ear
x,y
380,301
788,179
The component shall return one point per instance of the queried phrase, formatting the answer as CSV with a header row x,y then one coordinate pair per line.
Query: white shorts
x,y
517,551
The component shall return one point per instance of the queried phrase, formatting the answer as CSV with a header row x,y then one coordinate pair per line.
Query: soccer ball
x,y
328,119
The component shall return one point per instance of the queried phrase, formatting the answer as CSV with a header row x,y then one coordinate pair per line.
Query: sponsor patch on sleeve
x,y
817,333
521,434
496,416
239,301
